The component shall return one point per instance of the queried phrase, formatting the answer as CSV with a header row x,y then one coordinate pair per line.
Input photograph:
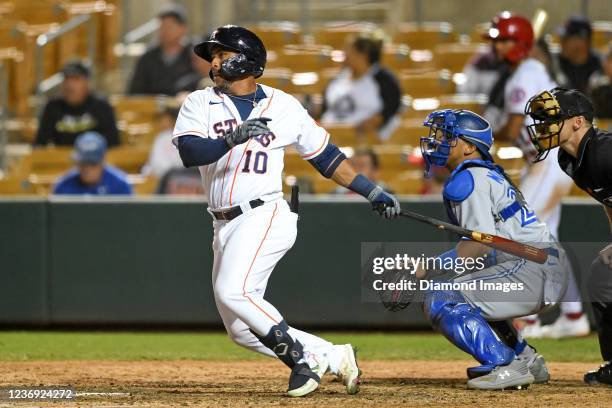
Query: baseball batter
x,y
543,184
237,132
479,196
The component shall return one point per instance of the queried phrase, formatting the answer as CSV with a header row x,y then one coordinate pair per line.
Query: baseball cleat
x,y
515,375
565,327
349,370
535,363
532,329
601,376
319,365
302,381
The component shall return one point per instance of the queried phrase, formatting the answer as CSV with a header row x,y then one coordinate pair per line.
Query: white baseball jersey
x,y
538,184
529,79
253,169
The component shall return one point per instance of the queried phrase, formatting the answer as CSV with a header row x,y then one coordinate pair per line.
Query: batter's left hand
x,y
384,203
606,255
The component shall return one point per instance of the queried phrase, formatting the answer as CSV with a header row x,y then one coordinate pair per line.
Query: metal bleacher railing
x,y
44,85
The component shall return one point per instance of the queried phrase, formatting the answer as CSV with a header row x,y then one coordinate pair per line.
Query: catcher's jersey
x,y
480,198
253,169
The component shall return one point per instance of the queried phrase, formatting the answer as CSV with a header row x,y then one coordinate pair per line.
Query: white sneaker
x,y
349,371
532,330
564,327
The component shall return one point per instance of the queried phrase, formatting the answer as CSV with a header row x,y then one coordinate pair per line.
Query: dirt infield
x,y
261,383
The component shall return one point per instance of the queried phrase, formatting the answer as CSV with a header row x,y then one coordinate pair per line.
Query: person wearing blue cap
x,y
92,175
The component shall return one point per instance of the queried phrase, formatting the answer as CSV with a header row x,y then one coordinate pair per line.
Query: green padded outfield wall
x,y
148,261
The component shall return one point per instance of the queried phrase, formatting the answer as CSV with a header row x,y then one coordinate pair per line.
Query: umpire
x,y
564,118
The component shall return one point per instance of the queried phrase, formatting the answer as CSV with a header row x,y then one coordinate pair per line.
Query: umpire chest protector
x,y
460,185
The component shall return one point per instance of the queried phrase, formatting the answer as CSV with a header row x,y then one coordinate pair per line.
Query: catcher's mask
x,y
448,125
549,110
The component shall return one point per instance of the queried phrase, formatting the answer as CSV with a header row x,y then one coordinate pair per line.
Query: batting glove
x,y
384,203
246,130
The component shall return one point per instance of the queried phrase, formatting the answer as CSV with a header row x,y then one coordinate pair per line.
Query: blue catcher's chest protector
x,y
460,185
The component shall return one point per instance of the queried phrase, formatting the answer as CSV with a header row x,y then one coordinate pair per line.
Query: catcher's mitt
x,y
397,293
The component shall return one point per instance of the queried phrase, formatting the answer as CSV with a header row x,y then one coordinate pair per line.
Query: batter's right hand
x,y
385,204
247,129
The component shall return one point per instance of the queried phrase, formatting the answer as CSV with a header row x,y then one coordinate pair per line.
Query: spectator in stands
x,y
181,181
364,94
91,175
365,161
577,60
164,156
160,69
199,78
601,95
76,111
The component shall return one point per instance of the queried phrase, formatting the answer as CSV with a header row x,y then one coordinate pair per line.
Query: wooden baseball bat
x,y
540,18
503,244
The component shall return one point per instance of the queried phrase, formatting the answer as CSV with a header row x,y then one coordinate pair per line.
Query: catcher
x,y
480,196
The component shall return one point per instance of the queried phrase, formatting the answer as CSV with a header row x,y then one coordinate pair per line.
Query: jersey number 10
x,y
260,163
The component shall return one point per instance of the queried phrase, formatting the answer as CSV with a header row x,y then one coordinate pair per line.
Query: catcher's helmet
x,y
506,26
445,127
251,58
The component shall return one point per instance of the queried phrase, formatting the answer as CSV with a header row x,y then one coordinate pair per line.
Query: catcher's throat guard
x,y
548,119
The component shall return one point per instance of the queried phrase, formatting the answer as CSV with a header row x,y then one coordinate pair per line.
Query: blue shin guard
x,y
464,326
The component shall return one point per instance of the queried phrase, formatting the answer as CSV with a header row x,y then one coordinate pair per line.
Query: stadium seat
x,y
15,186
419,108
406,182
304,58
276,35
278,78
136,116
428,84
129,159
408,132
604,124
602,34
402,57
424,35
454,56
336,33
106,16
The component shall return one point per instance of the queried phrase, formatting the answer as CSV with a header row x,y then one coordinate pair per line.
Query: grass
x,y
44,345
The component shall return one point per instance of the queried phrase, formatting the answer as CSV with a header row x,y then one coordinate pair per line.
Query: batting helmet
x,y
506,26
448,125
251,53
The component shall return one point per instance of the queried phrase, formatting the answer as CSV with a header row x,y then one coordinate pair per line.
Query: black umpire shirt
x,y
592,169
61,123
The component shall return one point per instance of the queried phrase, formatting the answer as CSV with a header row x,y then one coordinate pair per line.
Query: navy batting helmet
x,y
251,53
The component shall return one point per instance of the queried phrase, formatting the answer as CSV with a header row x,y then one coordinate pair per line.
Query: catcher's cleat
x,y
302,381
535,363
601,376
515,375
349,371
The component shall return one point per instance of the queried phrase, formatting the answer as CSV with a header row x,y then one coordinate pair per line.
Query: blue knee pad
x,y
464,326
